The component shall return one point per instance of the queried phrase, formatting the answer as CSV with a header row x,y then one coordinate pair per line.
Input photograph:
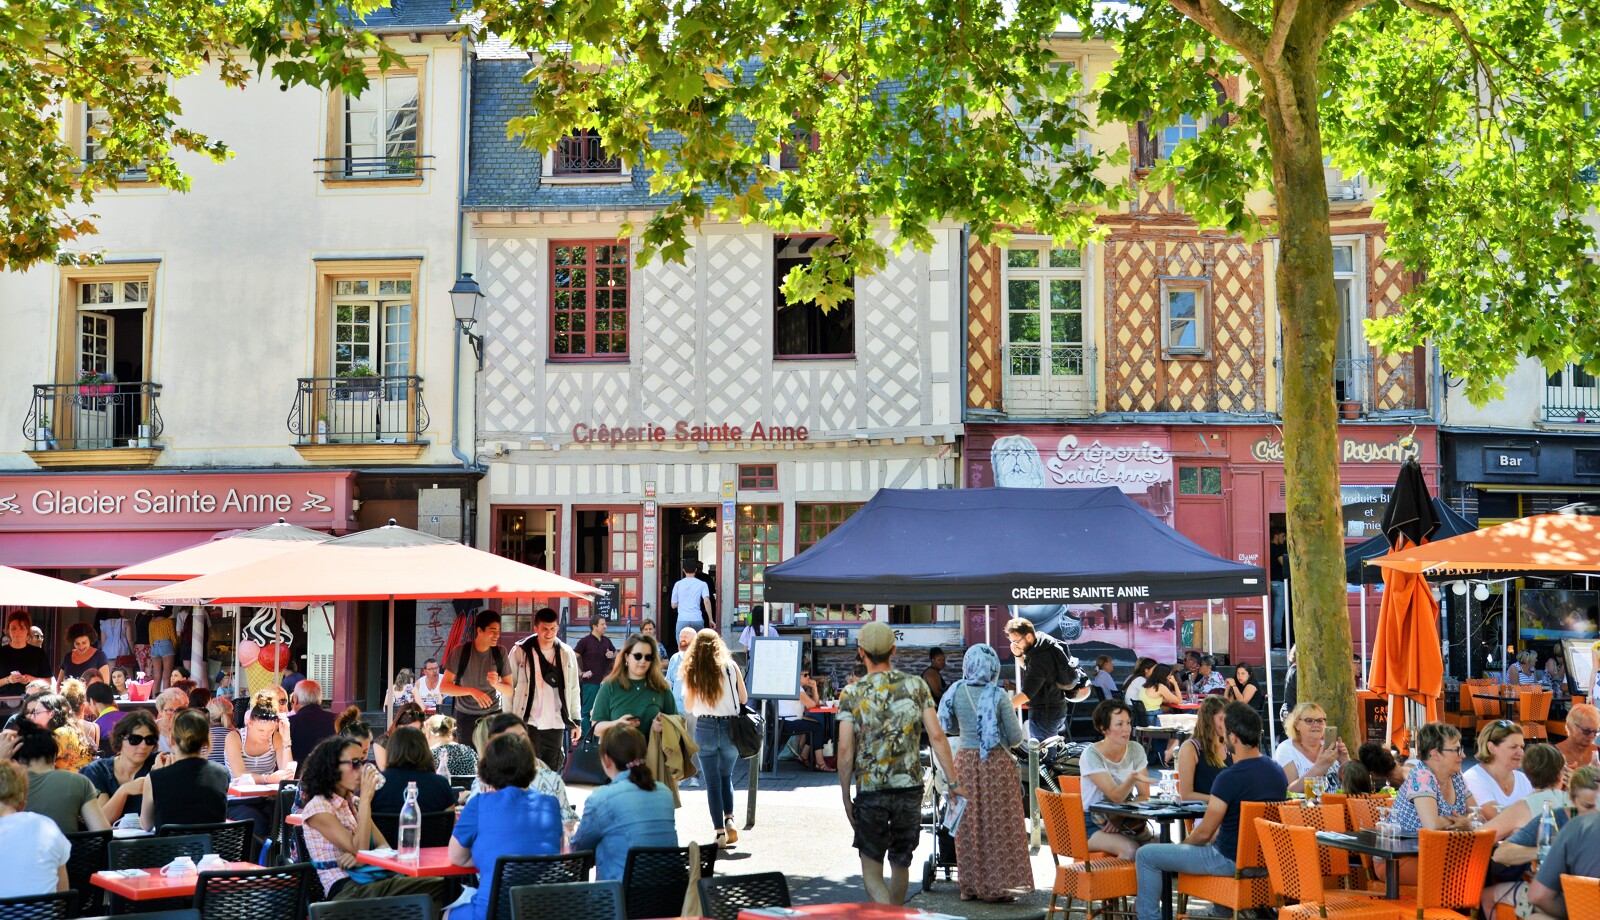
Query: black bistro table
x,y
1369,843
1164,815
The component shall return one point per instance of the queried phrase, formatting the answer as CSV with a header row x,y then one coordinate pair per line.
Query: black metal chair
x,y
590,900
90,854
151,853
436,827
188,913
53,906
722,898
229,839
404,907
657,879
275,850
274,893
520,871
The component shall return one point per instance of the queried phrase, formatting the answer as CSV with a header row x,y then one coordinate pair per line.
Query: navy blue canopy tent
x,y
1006,546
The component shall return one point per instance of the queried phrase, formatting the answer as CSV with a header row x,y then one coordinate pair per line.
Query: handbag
x,y
745,730
583,762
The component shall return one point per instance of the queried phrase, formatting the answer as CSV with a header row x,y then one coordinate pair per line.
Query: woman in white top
x,y
1136,680
427,688
1112,769
39,851
713,692
1543,765
1525,670
401,692
1302,753
1498,781
258,754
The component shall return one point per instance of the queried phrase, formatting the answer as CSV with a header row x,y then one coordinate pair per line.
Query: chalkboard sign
x,y
608,604
1375,718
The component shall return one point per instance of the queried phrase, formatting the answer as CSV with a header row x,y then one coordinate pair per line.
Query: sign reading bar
x,y
585,433
1510,461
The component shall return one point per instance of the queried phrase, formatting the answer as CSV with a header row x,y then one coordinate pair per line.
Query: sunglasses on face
x,y
1585,731
638,657
140,739
351,763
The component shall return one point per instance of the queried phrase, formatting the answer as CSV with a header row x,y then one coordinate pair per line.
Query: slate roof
x,y
419,14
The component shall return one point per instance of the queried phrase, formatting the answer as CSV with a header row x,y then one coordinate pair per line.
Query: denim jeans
x,y
1044,725
1155,858
717,760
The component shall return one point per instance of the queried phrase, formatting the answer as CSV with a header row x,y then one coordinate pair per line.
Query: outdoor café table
x,y
1369,843
432,861
1508,703
251,790
841,912
153,886
1164,815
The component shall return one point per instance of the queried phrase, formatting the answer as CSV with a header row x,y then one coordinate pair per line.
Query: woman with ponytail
x,y
633,810
351,726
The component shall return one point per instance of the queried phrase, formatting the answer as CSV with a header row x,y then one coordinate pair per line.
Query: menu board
x,y
775,668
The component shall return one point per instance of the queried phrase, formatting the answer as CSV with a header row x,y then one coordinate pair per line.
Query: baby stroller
x,y
935,801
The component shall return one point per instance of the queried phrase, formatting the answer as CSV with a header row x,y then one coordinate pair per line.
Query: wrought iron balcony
x,y
397,166
583,154
98,416
358,410
1572,396
1029,360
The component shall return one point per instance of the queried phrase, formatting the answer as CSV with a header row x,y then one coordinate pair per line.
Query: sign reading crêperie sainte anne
x,y
687,432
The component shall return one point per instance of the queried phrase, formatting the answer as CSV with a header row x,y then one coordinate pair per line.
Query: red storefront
x,y
1222,486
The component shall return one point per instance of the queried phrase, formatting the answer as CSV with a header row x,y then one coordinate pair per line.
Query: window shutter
x,y
1223,119
1146,154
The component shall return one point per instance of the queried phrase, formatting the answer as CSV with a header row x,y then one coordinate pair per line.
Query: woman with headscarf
x,y
991,842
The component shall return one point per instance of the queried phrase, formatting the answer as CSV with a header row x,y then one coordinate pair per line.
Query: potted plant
x,y
1349,409
96,383
42,437
360,378
144,431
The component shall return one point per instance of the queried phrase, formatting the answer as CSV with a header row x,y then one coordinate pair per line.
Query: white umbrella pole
x,y
238,672
389,676
1272,724
1288,615
277,636
1366,662
986,625
1505,642
1210,645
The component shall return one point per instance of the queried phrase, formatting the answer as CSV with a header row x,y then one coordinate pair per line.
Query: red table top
x,y
251,790
155,885
843,912
432,861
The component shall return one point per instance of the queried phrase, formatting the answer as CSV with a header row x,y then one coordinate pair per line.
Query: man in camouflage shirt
x,y
881,721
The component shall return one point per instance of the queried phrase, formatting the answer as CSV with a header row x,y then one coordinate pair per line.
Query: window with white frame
x,y
1032,125
1183,316
95,124
582,157
1352,362
1173,136
104,308
380,134
371,334
1044,310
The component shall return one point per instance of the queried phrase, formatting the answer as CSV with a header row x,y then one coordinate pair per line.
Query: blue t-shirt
x,y
508,822
620,816
1258,779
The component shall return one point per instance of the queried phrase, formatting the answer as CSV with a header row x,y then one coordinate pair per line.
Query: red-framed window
x,y
758,543
812,523
530,534
582,153
588,299
758,477
607,547
789,150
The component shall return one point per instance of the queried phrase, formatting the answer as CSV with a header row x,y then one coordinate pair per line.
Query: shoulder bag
x,y
746,728
583,762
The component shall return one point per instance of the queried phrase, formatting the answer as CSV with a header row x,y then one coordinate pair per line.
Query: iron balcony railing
x,y
1572,395
358,410
1352,383
1030,360
98,416
395,166
583,154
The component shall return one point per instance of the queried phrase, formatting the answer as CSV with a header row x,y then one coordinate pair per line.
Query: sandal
x,y
730,832
722,840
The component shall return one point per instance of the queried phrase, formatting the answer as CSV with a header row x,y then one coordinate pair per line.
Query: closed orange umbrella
x,y
1407,659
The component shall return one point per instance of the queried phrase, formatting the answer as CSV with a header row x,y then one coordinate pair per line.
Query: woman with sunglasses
x,y
407,713
1498,781
634,693
119,779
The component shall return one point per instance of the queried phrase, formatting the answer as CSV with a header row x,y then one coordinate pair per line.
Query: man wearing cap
x,y
882,716
595,656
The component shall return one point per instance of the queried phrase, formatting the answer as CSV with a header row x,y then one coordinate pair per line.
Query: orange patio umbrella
x,y
21,588
385,563
217,555
1559,542
1407,659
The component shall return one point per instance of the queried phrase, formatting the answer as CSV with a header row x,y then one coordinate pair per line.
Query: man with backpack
x,y
1047,675
479,677
545,690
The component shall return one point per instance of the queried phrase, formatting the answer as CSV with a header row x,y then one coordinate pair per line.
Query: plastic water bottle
x,y
410,844
1547,831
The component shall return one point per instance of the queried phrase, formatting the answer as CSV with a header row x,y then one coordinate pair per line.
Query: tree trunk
x,y
1310,318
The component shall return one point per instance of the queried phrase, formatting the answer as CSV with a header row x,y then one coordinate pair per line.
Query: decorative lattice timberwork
x,y
1229,377
669,372
511,397
1394,377
893,363
983,326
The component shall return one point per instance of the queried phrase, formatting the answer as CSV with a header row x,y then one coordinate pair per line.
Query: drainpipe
x,y
966,322
464,120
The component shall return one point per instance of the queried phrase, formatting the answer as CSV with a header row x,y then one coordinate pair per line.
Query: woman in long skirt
x,y
991,843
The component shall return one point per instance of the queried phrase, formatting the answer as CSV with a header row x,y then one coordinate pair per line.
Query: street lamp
x,y
465,296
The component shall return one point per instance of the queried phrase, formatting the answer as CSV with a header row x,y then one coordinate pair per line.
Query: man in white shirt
x,y
691,598
544,689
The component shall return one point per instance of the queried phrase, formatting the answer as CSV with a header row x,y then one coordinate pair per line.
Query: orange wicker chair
x,y
1072,784
1295,871
1488,711
1089,877
1533,710
1451,866
1247,888
1335,863
1582,894
1361,810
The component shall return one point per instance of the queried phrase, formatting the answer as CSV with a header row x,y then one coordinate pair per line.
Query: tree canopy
x,y
120,60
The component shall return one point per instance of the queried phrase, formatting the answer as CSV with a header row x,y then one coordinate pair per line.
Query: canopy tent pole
x,y
1272,722
1366,660
987,635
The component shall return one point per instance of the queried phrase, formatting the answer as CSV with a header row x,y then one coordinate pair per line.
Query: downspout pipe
x,y
464,121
